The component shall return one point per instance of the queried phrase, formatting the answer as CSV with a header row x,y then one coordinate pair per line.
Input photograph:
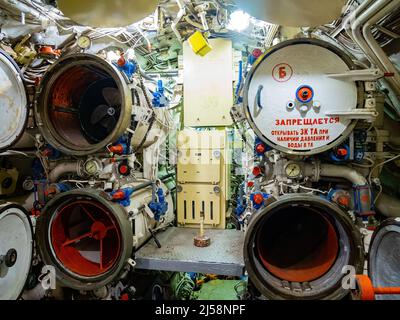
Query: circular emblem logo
x,y
282,72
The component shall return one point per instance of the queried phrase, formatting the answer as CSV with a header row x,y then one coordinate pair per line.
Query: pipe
x,y
362,191
180,15
388,206
378,51
239,85
334,171
370,47
143,186
150,183
356,29
352,19
64,168
23,8
147,77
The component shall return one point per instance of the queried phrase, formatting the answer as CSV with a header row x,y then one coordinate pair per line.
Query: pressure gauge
x,y
293,170
92,167
84,42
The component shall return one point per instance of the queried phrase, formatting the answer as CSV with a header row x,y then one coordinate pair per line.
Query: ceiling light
x,y
239,21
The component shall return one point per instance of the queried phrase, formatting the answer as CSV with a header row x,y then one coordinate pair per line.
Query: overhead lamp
x,y
239,21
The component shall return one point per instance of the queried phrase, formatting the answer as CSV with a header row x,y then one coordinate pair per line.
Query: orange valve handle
x,y
305,94
367,291
392,290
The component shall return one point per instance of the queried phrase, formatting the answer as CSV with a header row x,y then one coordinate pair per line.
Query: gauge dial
x,y
293,170
84,42
92,167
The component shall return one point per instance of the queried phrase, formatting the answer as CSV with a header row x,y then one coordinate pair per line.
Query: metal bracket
x,y
358,75
132,263
355,114
237,113
368,113
179,17
149,212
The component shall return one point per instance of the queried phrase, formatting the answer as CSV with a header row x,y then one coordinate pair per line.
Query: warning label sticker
x,y
307,134
307,122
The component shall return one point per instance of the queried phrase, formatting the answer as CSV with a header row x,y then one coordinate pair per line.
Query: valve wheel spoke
x,y
111,228
87,212
75,240
101,254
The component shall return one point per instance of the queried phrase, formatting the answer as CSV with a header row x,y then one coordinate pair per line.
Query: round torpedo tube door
x,y
290,95
13,102
16,249
284,262
83,104
86,237
384,258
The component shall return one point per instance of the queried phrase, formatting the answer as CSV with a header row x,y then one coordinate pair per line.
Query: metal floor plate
x,y
223,257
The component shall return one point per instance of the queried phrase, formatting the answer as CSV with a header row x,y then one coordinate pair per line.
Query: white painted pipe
x,y
370,11
22,8
364,17
64,168
354,17
378,51
334,171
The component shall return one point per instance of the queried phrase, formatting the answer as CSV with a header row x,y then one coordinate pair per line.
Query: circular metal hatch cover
x,y
13,103
16,247
384,257
290,97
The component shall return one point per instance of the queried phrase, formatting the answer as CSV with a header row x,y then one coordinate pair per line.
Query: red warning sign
x,y
303,133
